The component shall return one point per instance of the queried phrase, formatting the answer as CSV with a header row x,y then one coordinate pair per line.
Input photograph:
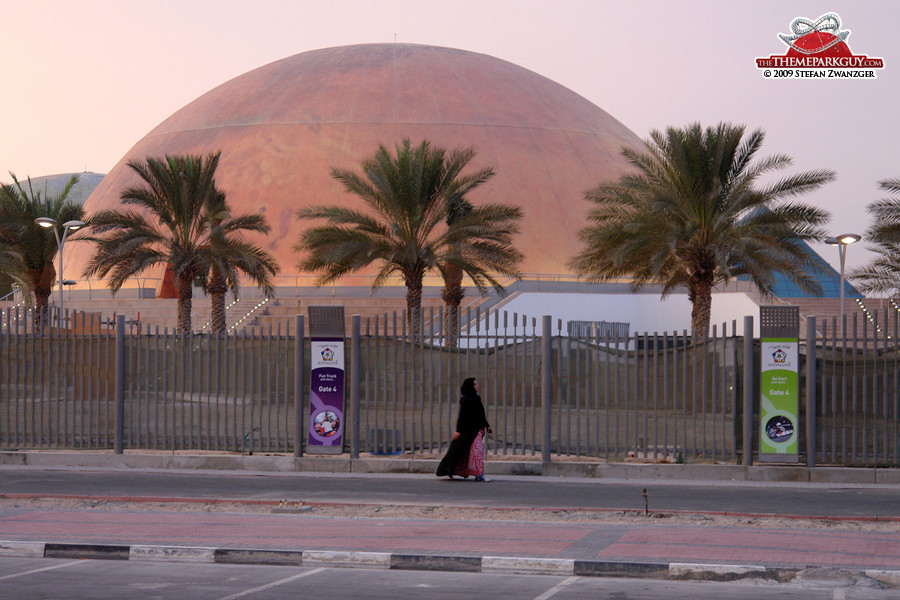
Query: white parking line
x,y
68,564
557,588
271,585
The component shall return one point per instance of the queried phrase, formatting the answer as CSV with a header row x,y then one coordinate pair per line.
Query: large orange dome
x,y
282,126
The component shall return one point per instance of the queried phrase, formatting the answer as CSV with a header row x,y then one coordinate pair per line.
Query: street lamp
x,y
842,241
48,223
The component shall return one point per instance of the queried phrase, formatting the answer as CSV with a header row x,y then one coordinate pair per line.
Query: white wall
x,y
644,312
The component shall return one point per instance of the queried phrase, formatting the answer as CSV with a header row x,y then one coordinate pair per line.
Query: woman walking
x,y
466,453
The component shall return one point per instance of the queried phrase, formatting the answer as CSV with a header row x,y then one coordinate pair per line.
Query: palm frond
x,y
691,215
418,219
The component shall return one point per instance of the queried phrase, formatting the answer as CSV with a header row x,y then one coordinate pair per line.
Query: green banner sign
x,y
779,395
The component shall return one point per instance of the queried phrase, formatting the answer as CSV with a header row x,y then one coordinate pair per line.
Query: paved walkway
x,y
794,548
635,550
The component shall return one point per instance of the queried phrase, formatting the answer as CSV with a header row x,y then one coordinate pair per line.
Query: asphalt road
x,y
27,579
502,491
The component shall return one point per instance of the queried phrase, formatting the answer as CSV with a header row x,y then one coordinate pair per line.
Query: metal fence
x,y
648,397
856,406
643,397
233,392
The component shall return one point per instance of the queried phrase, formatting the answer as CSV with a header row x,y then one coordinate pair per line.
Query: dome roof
x,y
55,184
282,126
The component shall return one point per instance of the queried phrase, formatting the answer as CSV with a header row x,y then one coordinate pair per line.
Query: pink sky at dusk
x,y
84,81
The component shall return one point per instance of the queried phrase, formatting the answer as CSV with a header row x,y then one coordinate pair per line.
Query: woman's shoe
x,y
481,478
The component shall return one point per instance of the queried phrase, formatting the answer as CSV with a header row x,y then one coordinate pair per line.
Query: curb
x,y
425,562
725,473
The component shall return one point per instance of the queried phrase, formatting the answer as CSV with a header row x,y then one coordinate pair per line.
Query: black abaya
x,y
471,420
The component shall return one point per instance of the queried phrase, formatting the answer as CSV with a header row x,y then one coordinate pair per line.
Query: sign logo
x,y
779,429
779,356
818,49
327,423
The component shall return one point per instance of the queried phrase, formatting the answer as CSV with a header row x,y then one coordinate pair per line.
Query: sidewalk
x,y
344,464
653,548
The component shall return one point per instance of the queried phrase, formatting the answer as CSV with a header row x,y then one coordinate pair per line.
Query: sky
x,y
84,81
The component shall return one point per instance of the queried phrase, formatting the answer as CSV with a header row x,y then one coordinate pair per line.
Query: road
x,y
819,500
61,579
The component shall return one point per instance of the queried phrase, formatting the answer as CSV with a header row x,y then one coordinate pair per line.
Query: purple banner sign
x,y
326,406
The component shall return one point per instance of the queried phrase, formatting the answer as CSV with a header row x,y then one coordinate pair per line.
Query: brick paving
x,y
777,547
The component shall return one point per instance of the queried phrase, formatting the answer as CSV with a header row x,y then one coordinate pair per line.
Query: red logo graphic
x,y
818,49
823,37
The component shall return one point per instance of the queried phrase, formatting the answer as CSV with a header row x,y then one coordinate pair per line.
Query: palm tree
x,y
181,220
453,292
229,256
20,205
693,215
485,233
12,266
406,231
882,275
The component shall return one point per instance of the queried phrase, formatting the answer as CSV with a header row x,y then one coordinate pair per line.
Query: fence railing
x,y
605,396
857,400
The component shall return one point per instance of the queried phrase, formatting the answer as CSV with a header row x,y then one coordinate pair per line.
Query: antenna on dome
x,y
395,38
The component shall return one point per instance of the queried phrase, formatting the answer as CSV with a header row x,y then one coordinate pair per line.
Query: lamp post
x,y
842,241
48,223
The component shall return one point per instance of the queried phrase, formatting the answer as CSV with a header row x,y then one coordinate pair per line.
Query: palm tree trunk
x,y
217,319
701,300
41,307
184,284
42,282
414,305
452,294
217,289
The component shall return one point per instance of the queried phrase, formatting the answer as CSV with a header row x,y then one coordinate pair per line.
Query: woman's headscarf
x,y
468,387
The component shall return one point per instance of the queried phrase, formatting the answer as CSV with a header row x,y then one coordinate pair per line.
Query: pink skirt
x,y
475,463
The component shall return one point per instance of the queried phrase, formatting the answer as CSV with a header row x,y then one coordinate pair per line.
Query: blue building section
x,y
830,282
829,279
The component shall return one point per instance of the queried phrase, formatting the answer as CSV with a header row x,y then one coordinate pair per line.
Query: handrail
x,y
309,281
16,288
288,283
91,285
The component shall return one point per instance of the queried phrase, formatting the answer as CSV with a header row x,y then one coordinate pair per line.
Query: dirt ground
x,y
373,511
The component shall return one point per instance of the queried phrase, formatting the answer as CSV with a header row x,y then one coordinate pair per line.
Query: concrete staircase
x,y
861,310
283,310
238,313
154,313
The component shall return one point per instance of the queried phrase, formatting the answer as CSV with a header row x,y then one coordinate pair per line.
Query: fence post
x,y
546,382
748,390
355,371
811,392
120,385
299,382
